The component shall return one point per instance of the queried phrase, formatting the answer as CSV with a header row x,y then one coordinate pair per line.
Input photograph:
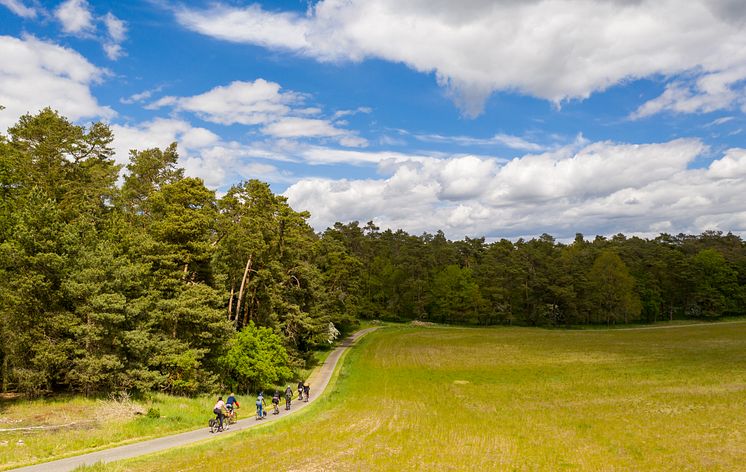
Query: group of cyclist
x,y
227,409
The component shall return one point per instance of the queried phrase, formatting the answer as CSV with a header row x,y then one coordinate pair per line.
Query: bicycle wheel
x,y
212,425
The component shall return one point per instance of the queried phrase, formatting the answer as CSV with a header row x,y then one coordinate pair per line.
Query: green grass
x,y
508,399
96,424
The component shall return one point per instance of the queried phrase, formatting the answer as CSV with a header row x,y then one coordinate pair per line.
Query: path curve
x,y
318,381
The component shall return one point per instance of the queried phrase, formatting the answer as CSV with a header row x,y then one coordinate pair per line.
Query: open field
x,y
509,399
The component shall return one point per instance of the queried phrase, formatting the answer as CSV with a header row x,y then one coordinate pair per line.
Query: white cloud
x,y
116,30
293,127
76,17
141,96
249,25
35,74
159,133
730,166
262,103
19,8
342,113
115,27
601,188
710,92
202,153
552,49
500,139
720,121
246,103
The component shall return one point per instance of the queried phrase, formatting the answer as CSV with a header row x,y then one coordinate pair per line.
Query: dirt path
x,y
318,381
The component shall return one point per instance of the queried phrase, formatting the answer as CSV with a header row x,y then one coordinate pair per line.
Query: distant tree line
x,y
151,282
542,282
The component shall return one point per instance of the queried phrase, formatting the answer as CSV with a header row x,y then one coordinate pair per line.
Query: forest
x,y
138,278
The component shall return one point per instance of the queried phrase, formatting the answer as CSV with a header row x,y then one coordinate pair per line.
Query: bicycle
x,y
288,399
276,408
231,417
260,414
215,427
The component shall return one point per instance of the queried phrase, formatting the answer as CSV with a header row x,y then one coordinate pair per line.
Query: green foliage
x,y
456,296
256,358
613,288
716,288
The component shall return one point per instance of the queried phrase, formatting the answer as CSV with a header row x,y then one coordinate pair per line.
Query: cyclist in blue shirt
x,y
231,404
260,406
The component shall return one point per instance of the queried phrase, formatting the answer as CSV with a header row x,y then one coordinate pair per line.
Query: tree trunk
x,y
230,302
243,285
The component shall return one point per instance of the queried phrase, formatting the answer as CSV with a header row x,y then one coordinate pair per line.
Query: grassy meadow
x,y
509,399
75,425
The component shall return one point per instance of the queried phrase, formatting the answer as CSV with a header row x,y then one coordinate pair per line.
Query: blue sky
x,y
480,118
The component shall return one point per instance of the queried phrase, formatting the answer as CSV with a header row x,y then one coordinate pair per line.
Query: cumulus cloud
x,y
707,93
35,74
202,153
282,113
19,8
552,49
600,188
246,103
75,17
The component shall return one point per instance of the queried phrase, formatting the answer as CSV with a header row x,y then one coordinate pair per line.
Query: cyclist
x,y
276,402
231,404
306,390
288,397
260,406
300,390
219,409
